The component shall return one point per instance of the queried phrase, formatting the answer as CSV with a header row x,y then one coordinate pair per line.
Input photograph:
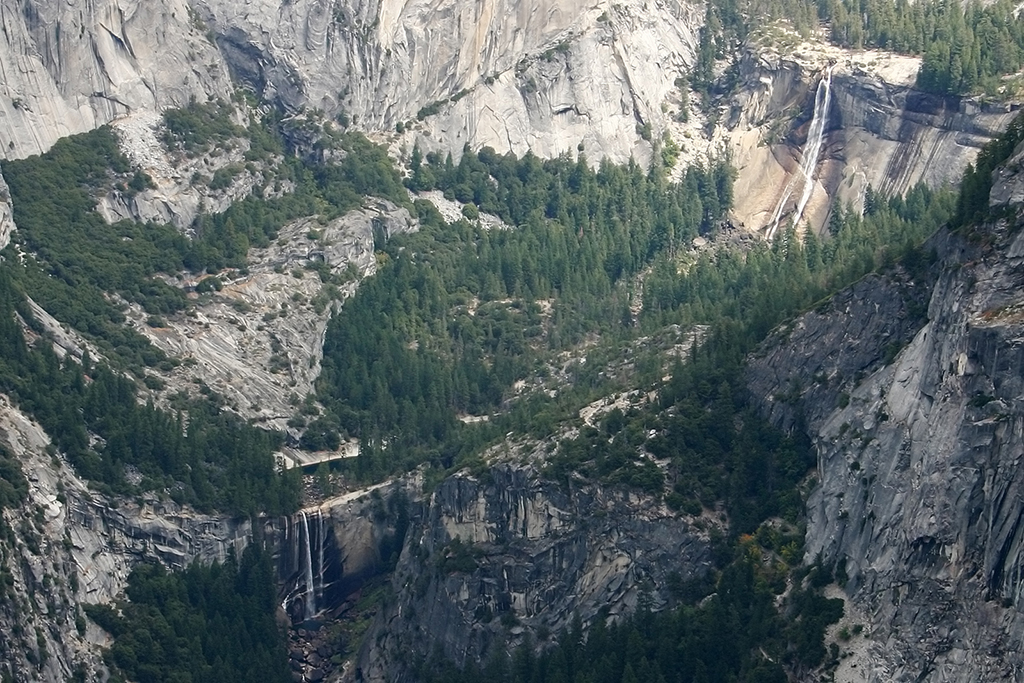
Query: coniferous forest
x,y
965,47
456,322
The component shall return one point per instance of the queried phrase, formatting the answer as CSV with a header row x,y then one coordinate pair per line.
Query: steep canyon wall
x,y
911,390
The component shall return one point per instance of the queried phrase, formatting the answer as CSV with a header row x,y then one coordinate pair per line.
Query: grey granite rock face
x,y
920,489
6,214
259,340
517,75
921,137
175,196
529,556
68,68
72,546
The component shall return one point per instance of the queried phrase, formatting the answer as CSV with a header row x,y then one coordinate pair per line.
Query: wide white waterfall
x,y
309,601
809,158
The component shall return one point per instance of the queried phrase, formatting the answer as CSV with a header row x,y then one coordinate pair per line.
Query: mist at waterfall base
x,y
809,157
311,568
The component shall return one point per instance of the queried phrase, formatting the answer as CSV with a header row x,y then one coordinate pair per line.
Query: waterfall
x,y
309,603
822,99
320,539
809,158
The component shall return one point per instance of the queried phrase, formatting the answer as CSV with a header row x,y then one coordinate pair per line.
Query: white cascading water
x,y
310,597
809,158
320,543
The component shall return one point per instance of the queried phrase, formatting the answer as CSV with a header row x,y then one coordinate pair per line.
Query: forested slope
x,y
466,321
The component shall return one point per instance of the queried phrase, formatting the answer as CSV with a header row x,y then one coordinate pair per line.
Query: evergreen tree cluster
x,y
13,485
965,47
455,317
719,452
976,185
749,292
736,634
74,260
207,624
212,460
198,128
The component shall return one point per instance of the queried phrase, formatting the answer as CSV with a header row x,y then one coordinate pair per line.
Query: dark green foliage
x,y
197,128
457,557
453,318
75,258
74,261
614,460
721,450
206,624
217,461
754,291
972,204
735,635
718,451
965,47
13,485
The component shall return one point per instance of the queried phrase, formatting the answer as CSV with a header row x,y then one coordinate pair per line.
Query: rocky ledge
x,y
918,422
493,556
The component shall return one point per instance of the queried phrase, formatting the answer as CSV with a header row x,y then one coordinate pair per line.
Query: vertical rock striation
x,y
918,421
881,131
72,545
517,75
67,68
494,557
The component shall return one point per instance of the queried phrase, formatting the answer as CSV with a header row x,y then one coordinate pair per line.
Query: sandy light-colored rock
x,y
880,131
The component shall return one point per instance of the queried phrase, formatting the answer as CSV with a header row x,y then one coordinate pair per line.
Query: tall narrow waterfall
x,y
309,603
320,544
809,158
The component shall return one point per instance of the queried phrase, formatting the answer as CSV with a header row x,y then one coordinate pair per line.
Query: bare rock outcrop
x,y
880,130
258,340
180,184
66,68
506,553
70,545
6,214
917,421
517,75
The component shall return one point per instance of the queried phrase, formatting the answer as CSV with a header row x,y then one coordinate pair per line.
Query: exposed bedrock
x,y
918,420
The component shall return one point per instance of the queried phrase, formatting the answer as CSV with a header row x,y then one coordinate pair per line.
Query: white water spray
x,y
809,158
309,603
320,539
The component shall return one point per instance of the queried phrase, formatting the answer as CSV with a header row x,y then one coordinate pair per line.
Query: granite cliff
x,y
537,75
910,388
908,383
73,546
493,558
878,129
66,69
